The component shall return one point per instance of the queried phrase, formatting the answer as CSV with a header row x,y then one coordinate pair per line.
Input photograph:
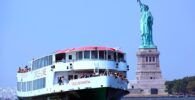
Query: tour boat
x,y
85,73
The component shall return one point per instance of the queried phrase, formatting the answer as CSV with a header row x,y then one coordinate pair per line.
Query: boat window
x,y
39,63
39,83
121,57
19,86
70,77
23,86
42,62
34,85
110,55
94,55
79,55
46,60
43,82
115,56
60,57
29,85
50,60
75,76
70,57
101,54
86,54
34,65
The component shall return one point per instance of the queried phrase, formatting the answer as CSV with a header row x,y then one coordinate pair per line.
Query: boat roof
x,y
87,48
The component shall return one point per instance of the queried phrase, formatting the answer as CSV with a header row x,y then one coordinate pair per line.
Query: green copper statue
x,y
146,23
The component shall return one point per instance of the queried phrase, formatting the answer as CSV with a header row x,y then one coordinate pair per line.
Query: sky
x,y
34,28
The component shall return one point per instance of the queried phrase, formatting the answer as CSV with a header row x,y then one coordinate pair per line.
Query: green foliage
x,y
169,86
181,86
191,86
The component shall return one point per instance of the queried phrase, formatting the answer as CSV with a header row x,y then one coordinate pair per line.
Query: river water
x,y
161,98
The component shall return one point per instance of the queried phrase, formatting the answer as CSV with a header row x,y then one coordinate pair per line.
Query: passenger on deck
x,y
60,80
26,68
22,71
19,70
29,69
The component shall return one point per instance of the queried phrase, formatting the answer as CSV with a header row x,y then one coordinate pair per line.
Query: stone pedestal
x,y
149,80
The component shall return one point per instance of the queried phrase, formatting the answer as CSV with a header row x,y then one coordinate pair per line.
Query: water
x,y
133,98
10,94
161,98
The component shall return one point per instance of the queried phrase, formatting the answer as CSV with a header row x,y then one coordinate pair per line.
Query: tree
x,y
169,86
181,86
178,87
191,87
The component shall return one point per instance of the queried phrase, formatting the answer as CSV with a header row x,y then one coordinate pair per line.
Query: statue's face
x,y
146,8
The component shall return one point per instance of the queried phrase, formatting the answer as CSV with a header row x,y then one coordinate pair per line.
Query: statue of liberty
x,y
146,23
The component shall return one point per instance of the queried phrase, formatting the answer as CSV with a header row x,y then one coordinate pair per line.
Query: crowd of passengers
x,y
87,75
24,70
115,74
64,60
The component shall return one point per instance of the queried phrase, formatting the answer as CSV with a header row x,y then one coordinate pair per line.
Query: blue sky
x,y
33,28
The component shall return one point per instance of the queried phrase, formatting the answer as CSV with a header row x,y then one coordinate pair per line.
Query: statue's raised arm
x,y
139,2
